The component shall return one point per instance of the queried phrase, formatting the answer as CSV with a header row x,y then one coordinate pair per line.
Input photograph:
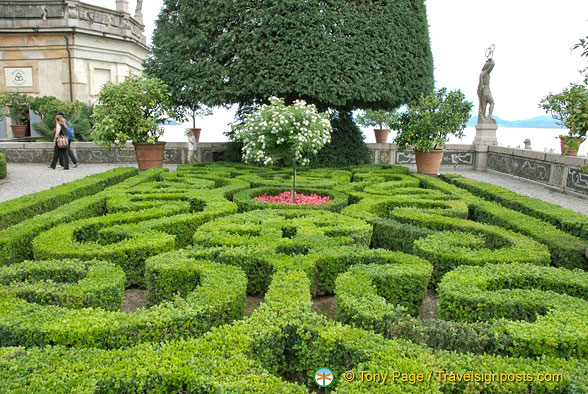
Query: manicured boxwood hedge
x,y
255,355
404,283
566,250
67,283
538,306
567,220
191,337
16,241
19,209
213,294
2,166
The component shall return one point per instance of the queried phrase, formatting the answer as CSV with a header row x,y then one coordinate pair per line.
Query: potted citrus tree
x,y
380,119
15,105
134,111
570,108
427,125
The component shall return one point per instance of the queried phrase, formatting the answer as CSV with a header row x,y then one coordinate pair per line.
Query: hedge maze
x,y
509,274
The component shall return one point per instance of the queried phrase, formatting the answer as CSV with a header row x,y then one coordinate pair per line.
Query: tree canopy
x,y
342,54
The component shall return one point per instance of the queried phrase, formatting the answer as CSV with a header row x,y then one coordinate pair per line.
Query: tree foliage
x,y
341,54
132,110
346,148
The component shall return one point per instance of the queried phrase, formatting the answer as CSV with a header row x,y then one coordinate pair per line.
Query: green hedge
x,y
2,166
567,220
67,283
392,184
463,242
538,306
127,248
216,297
374,207
404,283
19,209
281,340
16,241
566,250
283,230
245,199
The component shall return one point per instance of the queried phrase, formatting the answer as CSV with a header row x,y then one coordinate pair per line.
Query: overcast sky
x,y
533,39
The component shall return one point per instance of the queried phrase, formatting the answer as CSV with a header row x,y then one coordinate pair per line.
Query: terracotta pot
x,y
381,135
149,155
429,162
575,141
19,130
196,133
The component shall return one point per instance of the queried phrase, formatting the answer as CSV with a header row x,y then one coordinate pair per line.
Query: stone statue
x,y
139,11
484,93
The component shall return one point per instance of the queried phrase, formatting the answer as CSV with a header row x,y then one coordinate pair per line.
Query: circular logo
x,y
323,377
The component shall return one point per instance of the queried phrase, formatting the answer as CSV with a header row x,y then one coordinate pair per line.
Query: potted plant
x,y
134,111
194,111
570,109
381,119
427,124
15,105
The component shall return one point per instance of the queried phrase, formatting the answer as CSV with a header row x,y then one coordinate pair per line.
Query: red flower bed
x,y
300,199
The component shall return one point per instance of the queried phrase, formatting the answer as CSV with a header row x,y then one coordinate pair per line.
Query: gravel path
x,y
30,178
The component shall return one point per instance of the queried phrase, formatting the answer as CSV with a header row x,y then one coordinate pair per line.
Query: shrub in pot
x,y
570,108
379,118
134,110
15,105
192,111
428,123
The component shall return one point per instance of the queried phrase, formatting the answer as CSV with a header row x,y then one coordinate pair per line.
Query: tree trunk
x,y
294,183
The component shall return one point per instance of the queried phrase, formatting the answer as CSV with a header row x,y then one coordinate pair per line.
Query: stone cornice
x,y
69,15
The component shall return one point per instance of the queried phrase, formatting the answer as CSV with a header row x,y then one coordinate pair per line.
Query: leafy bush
x,y
2,166
78,113
347,146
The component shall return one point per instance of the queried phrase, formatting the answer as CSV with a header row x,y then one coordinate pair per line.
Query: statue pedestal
x,y
486,133
485,136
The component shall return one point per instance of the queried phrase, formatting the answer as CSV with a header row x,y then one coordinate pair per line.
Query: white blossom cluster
x,y
277,131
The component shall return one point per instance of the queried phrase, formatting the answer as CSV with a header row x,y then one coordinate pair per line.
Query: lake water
x,y
543,140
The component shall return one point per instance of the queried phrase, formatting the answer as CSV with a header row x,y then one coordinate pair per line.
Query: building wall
x,y
104,45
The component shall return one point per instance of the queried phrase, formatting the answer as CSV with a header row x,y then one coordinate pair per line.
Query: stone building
x,y
67,49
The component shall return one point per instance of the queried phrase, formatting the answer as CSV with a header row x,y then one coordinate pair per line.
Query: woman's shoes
x,y
49,166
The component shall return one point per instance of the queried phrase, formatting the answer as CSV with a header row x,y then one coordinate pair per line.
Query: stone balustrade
x,y
564,173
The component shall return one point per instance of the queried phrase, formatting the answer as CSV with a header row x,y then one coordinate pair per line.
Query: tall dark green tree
x,y
342,54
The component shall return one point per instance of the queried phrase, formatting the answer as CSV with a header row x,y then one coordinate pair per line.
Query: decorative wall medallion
x,y
384,157
405,157
577,181
458,158
558,175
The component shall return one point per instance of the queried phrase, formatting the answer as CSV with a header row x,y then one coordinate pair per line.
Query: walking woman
x,y
60,153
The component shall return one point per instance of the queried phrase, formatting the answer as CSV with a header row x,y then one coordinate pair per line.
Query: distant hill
x,y
539,122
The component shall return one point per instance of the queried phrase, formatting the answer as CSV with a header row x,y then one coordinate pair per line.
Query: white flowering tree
x,y
279,132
